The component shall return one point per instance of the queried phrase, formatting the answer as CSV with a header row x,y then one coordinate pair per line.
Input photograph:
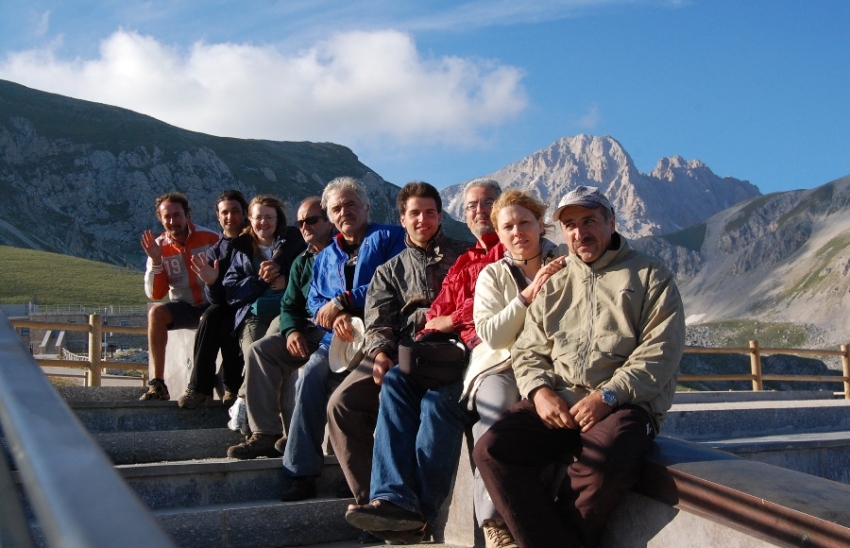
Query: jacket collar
x,y
433,247
620,247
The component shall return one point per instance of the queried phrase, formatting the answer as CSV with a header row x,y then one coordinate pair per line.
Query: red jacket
x,y
458,293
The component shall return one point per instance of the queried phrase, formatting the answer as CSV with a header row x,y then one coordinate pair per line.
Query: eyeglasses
x,y
265,218
311,220
483,204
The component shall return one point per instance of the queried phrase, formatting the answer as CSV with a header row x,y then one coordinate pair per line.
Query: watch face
x,y
609,398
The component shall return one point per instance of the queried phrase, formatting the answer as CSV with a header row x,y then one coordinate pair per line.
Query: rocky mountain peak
x,y
677,194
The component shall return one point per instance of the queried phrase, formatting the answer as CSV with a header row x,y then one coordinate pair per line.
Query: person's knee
x,y
159,317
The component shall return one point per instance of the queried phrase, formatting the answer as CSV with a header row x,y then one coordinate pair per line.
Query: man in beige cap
x,y
597,364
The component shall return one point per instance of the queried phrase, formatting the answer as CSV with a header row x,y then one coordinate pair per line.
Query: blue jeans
x,y
303,455
417,443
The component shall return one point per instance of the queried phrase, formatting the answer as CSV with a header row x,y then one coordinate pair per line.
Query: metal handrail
x,y
76,495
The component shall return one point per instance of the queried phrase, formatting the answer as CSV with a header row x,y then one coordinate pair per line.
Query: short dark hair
x,y
235,196
177,198
417,189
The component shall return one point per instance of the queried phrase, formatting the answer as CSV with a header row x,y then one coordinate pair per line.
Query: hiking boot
x,y
228,398
156,391
497,535
192,399
258,445
298,488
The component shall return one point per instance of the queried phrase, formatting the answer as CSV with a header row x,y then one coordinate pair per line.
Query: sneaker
x,y
497,535
229,398
382,515
239,417
156,391
192,399
258,445
298,488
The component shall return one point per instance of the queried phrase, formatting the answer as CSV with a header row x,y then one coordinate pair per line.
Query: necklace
x,y
525,261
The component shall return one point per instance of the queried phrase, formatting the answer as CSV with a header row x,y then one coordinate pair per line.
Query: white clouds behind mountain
x,y
357,87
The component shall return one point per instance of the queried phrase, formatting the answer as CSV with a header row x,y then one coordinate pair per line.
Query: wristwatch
x,y
608,397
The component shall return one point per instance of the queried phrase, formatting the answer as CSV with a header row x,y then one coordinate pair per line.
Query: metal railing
x,y
94,363
757,376
77,497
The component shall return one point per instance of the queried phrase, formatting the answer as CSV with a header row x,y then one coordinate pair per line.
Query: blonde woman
x,y
503,292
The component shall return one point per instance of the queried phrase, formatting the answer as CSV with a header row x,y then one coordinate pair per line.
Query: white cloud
x,y
43,24
353,88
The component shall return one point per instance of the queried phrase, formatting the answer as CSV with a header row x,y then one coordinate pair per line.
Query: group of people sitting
x,y
563,357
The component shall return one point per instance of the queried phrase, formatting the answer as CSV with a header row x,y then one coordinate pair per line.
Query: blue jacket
x,y
242,285
381,243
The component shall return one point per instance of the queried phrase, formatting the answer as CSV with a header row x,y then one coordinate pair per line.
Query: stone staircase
x,y
174,460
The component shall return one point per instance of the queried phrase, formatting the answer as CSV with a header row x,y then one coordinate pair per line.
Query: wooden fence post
x,y
95,350
845,367
755,365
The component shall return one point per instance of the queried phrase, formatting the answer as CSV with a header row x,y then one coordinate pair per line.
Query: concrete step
x,y
228,502
220,481
259,524
732,420
153,416
167,445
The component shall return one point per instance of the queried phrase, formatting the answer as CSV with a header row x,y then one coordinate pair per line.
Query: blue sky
x,y
445,91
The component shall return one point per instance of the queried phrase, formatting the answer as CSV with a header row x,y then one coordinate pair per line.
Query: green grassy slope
x,y
50,278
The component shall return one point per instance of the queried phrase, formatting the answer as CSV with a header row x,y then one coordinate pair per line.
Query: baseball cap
x,y
583,196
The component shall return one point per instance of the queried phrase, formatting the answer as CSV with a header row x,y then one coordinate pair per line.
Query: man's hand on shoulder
x,y
590,410
551,409
296,344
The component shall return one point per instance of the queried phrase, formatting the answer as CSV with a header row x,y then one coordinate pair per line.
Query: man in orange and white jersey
x,y
168,273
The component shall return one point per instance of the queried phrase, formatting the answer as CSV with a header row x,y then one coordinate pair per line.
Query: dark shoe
x,y
365,537
228,398
413,536
381,515
258,445
280,444
192,399
343,491
156,391
298,488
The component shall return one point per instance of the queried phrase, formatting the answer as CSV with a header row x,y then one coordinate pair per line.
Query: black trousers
x,y
215,332
602,464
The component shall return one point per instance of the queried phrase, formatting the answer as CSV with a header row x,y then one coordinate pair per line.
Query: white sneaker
x,y
239,417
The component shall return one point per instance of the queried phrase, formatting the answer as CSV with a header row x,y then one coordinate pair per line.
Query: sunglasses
x,y
313,219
